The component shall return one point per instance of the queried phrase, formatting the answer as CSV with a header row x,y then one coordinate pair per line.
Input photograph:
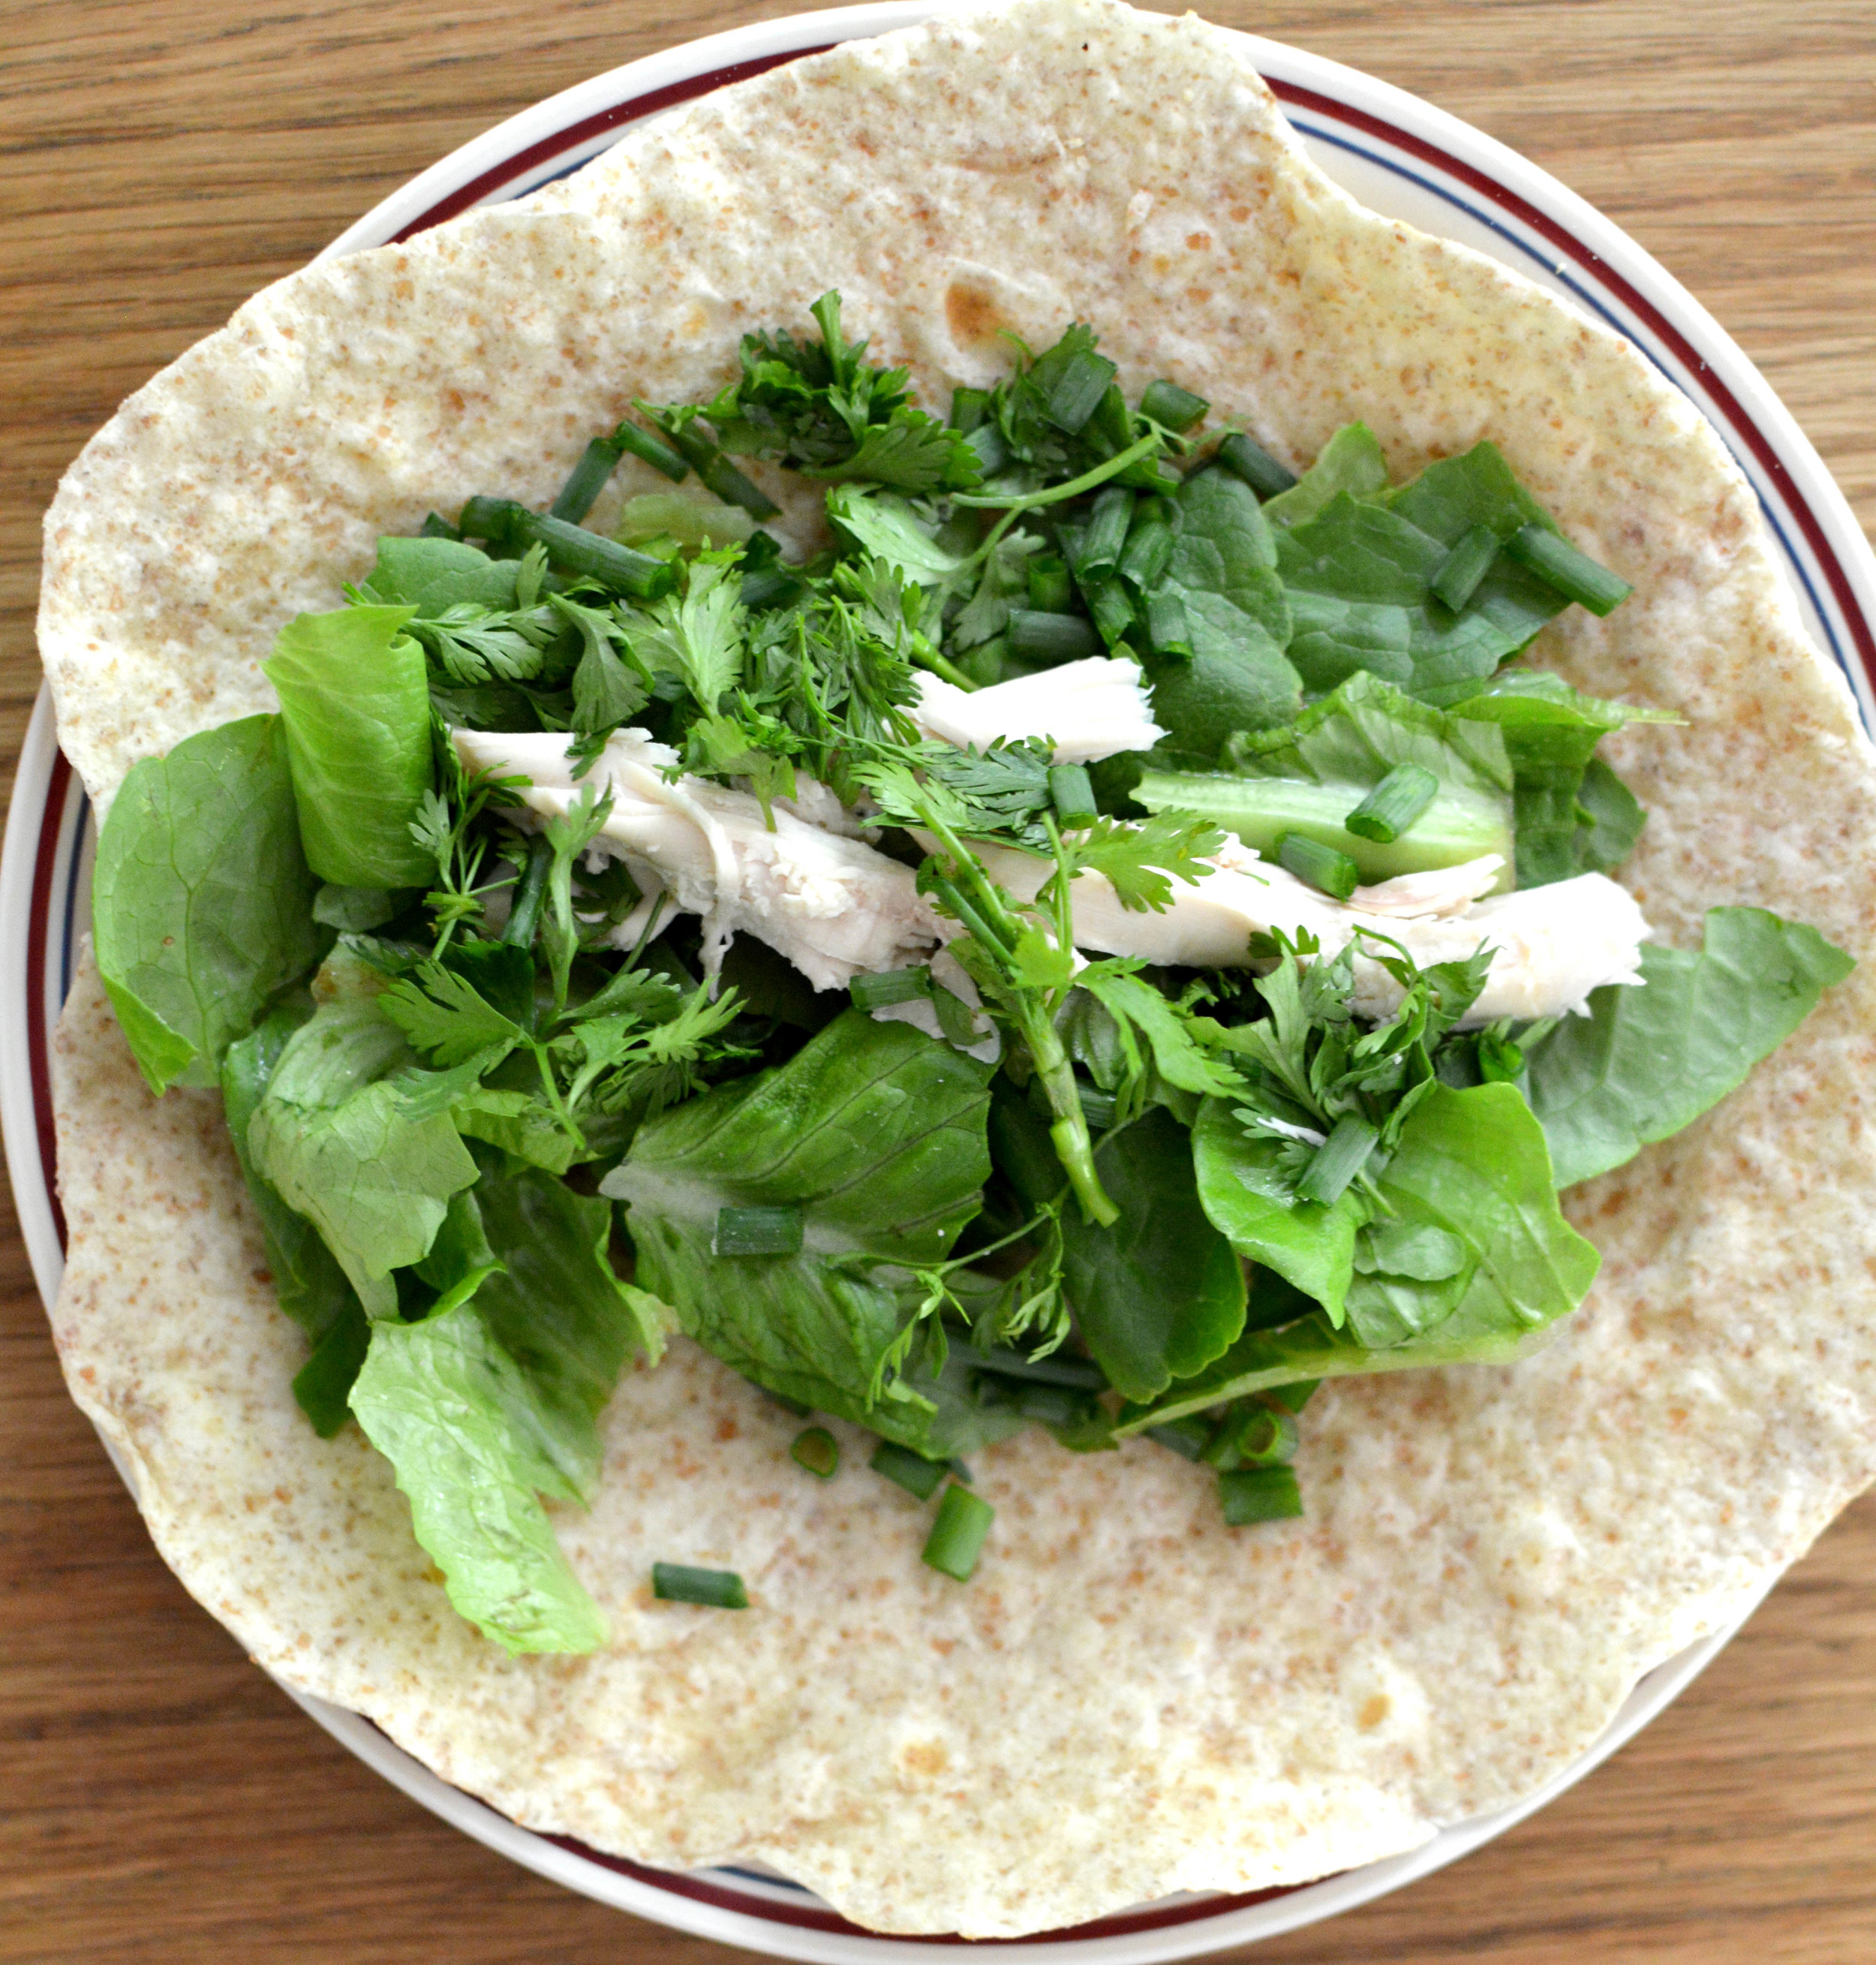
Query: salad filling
x,y
1119,934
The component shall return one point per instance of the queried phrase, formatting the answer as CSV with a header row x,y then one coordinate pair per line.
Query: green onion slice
x,y
1573,574
1037,637
1458,579
1256,466
818,1451
651,450
757,1231
1338,1160
882,989
1073,794
715,1589
1249,1494
1167,630
1101,543
1175,408
908,1470
1078,391
1324,868
1394,803
957,1536
589,478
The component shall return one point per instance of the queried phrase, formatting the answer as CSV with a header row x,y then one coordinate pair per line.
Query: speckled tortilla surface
x,y
1129,1699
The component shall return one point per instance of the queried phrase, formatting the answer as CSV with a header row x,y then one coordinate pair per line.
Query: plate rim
x,y
602,106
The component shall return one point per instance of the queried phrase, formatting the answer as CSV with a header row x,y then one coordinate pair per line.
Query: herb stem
x,y
941,665
1013,507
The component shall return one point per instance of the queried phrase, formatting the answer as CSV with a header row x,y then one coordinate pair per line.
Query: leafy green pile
x,y
501,1133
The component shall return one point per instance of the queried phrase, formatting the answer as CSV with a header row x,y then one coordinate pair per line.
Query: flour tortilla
x,y
1129,1699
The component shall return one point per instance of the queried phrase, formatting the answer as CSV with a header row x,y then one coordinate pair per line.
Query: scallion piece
x,y
597,464
1167,630
1073,794
957,1536
969,409
720,476
1173,408
569,549
524,910
1097,1106
1293,1396
1394,803
1050,638
715,1589
993,451
770,586
1113,609
818,1451
1573,574
1078,390
1338,1160
882,989
1186,1436
1324,868
651,450
435,526
1105,536
908,1470
1051,590
1251,1495
757,1231
1457,580
1148,548
1252,1435
1255,465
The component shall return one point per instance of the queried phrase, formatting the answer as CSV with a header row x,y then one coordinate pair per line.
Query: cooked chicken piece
x,y
1092,710
832,905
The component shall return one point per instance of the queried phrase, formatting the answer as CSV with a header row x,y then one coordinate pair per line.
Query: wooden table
x,y
159,1799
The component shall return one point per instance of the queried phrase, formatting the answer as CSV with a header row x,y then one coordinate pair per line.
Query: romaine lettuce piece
x,y
201,900
1645,1062
355,700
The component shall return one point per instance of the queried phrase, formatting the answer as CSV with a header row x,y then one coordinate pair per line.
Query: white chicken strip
x,y
1092,709
832,905
1552,945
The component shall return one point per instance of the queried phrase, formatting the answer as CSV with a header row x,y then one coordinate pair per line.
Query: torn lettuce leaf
x,y
355,701
1351,461
1646,1062
1160,1294
201,898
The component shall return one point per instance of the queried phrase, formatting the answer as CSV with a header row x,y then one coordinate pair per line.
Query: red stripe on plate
x,y
38,919
1601,271
551,147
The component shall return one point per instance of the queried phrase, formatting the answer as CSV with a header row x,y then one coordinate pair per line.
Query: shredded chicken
x,y
1092,710
831,905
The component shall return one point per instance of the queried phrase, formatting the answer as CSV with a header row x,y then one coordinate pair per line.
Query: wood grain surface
x,y
159,159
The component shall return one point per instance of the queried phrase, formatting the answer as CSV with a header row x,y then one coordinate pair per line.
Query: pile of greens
x,y
495,1154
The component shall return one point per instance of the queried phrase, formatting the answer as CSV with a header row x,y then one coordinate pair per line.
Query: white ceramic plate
x,y
1400,156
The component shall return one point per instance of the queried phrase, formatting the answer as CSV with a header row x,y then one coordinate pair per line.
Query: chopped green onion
x,y
1321,866
1469,562
1573,574
569,549
957,1536
1256,466
1252,1435
1175,408
435,526
908,1470
649,449
1097,1106
1293,1396
770,586
597,464
715,1589
993,451
1338,1160
1186,1436
1149,547
1394,803
1167,630
1051,590
1082,1374
818,1451
524,910
1105,536
1113,609
969,409
1073,794
757,1231
1037,637
1251,1495
882,989
1078,390
719,475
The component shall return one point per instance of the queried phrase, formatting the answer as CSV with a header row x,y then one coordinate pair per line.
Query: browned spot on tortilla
x,y
971,315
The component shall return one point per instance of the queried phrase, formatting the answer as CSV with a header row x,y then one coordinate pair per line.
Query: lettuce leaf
x,y
471,1440
1160,1294
201,900
1351,461
876,1133
1473,1165
1645,1062
355,703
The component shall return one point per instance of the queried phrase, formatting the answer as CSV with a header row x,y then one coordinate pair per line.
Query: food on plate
x,y
925,968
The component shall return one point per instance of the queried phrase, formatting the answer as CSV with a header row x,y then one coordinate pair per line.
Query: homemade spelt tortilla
x,y
1129,1699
